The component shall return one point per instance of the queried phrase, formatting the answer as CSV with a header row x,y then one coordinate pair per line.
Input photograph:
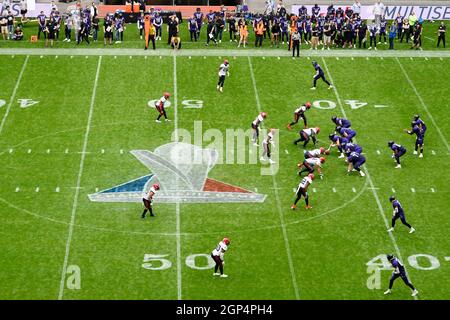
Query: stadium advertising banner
x,y
422,12
33,9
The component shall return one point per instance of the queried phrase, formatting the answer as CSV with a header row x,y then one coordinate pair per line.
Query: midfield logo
x,y
182,170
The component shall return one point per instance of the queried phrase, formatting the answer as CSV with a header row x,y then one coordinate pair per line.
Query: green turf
x,y
329,246
132,39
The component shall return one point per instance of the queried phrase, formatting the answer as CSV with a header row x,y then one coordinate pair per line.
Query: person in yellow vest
x,y
243,32
150,31
259,32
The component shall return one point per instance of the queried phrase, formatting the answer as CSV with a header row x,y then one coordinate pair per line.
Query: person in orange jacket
x,y
150,31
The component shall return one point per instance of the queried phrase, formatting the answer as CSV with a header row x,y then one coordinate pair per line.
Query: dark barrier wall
x,y
180,2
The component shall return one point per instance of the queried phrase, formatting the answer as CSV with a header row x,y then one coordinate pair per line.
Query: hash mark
x,y
66,151
56,57
87,57
145,57
447,258
334,189
41,57
337,58
432,190
353,58
71,57
131,57
354,190
413,190
29,151
393,190
121,151
426,58
433,152
256,189
411,58
17,189
48,150
378,152
264,58
278,58
37,189
314,190
103,150
190,57
115,57
10,150
57,189
287,152
96,189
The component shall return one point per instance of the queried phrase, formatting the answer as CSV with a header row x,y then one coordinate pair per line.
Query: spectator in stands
x,y
356,9
18,34
392,35
378,11
243,32
23,10
441,34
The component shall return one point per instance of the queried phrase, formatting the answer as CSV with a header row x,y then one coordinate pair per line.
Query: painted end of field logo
x,y
182,170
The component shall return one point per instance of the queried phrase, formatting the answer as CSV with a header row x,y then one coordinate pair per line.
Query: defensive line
x,y
222,53
277,196
368,177
77,189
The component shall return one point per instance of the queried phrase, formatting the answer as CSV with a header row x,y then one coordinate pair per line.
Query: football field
x,y
72,129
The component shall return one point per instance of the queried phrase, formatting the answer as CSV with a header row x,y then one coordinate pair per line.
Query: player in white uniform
x,y
302,190
160,106
255,126
223,71
218,256
299,113
308,134
266,145
316,153
147,198
310,164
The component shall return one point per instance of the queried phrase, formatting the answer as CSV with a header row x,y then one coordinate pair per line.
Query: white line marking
x,y
286,151
334,189
103,150
48,150
411,58
393,190
57,189
131,57
380,106
378,152
29,151
337,58
369,178
426,58
96,189
423,105
56,57
13,95
17,189
77,190
66,151
314,189
277,196
433,152
432,190
121,151
413,190
177,206
447,258
37,189
145,57
11,150
353,189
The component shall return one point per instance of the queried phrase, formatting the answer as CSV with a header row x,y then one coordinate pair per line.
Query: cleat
x,y
421,155
159,121
313,88
415,152
255,144
388,291
293,207
330,87
376,49
398,166
412,230
271,161
362,174
216,274
415,293
390,229
341,156
217,87
221,89
308,207
142,217
289,127
224,276
262,159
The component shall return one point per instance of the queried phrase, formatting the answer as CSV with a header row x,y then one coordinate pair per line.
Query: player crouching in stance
x,y
217,255
306,135
160,106
341,122
339,142
419,131
398,151
398,213
311,164
302,190
316,153
299,113
223,71
266,145
399,271
148,200
355,161
255,126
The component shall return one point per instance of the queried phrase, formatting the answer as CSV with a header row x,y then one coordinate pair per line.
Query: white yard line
x,y
77,189
117,52
277,197
369,178
177,206
13,95
424,105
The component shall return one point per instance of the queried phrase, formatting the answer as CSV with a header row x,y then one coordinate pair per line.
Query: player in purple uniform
x,y
398,213
383,25
315,11
57,18
342,122
339,142
419,122
41,24
193,28
399,271
419,138
157,22
119,26
198,15
307,28
355,161
346,133
352,147
284,25
319,75
398,151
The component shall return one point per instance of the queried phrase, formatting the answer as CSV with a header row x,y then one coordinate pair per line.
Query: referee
x,y
441,34
296,42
